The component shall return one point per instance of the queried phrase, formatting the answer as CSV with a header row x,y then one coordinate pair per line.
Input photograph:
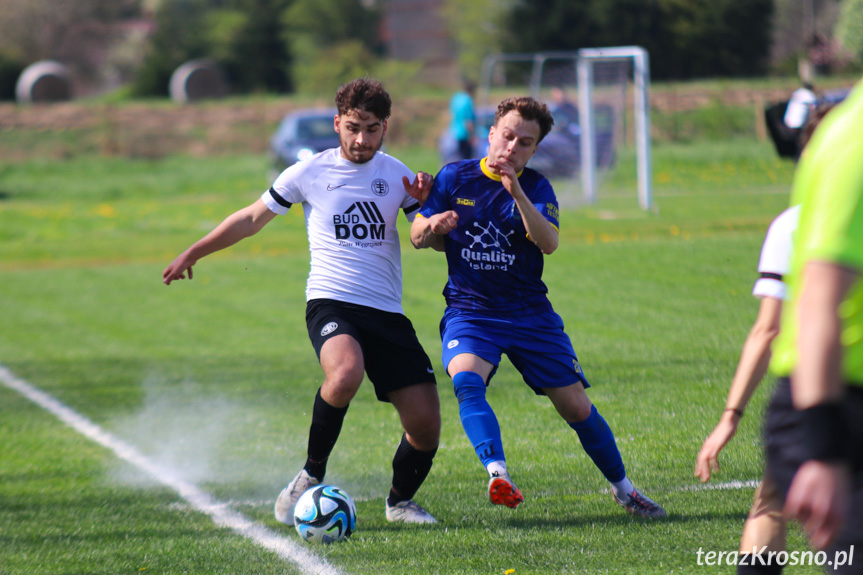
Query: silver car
x,y
301,135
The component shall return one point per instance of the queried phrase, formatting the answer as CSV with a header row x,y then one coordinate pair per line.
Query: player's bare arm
x,y
420,187
539,230
751,368
817,377
820,491
429,232
241,224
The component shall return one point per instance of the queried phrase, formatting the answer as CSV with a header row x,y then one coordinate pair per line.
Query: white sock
x,y
622,489
498,467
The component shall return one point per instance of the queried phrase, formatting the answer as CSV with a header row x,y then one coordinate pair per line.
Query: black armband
x,y
826,432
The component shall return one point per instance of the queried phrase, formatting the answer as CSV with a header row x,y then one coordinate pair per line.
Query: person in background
x,y
802,100
463,120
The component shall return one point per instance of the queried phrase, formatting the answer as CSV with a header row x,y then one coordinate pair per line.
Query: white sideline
x,y
221,513
728,485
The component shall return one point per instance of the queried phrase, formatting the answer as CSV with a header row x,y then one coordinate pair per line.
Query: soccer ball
x,y
325,514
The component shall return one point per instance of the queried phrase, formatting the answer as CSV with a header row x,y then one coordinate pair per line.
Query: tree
x,y
685,38
332,41
250,43
32,30
478,27
552,25
178,37
319,24
795,22
849,29
244,37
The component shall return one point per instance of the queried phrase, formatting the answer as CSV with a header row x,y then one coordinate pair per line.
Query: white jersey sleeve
x,y
775,261
351,211
289,185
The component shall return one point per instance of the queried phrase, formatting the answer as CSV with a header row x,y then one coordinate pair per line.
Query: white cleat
x,y
408,512
291,494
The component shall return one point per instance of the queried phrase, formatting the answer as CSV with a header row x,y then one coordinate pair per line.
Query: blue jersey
x,y
493,266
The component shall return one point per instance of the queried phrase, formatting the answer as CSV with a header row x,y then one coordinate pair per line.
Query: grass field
x,y
213,379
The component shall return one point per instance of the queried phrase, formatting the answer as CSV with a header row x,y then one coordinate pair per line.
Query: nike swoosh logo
x,y
331,187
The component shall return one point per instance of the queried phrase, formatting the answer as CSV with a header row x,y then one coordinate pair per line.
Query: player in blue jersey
x,y
495,218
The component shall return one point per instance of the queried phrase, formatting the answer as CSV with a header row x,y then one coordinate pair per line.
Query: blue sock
x,y
479,421
598,442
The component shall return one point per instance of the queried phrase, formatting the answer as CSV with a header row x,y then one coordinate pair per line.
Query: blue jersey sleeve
x,y
546,202
438,199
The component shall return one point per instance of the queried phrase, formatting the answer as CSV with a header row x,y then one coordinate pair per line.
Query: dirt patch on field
x,y
151,130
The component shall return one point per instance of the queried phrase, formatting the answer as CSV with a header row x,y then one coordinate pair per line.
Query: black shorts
x,y
786,451
393,356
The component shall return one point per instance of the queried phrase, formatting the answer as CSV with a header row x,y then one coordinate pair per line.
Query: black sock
x,y
748,564
323,434
410,469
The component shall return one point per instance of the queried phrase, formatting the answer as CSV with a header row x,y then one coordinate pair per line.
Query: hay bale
x,y
44,81
197,80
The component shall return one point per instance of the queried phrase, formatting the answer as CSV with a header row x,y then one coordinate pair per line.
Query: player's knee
x,y
468,384
426,439
340,388
581,412
572,403
425,427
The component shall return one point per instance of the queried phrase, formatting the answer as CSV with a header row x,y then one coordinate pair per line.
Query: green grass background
x,y
215,377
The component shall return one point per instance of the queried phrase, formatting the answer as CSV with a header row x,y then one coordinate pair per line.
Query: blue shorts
x,y
535,343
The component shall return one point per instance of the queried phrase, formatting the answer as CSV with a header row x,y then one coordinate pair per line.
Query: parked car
x,y
559,153
301,135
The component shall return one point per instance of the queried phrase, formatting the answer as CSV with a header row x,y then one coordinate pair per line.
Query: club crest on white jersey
x,y
380,187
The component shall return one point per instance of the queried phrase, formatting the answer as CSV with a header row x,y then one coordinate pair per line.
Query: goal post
x,y
611,86
587,57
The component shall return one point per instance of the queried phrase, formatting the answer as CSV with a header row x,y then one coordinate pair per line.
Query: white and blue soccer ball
x,y
325,514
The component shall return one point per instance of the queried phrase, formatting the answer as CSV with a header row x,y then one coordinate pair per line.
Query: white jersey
x,y
775,262
351,211
799,105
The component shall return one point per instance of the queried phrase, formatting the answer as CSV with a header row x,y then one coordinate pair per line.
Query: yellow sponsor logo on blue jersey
x,y
553,211
465,202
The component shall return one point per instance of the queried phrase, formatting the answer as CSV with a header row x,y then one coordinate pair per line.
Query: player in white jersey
x,y
764,526
764,529
351,197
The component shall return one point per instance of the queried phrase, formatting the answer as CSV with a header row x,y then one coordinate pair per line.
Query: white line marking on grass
x,y
220,512
728,485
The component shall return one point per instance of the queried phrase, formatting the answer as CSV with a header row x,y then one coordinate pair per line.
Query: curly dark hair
x,y
364,95
529,109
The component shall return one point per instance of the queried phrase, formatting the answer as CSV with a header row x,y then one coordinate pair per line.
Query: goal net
x,y
603,154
